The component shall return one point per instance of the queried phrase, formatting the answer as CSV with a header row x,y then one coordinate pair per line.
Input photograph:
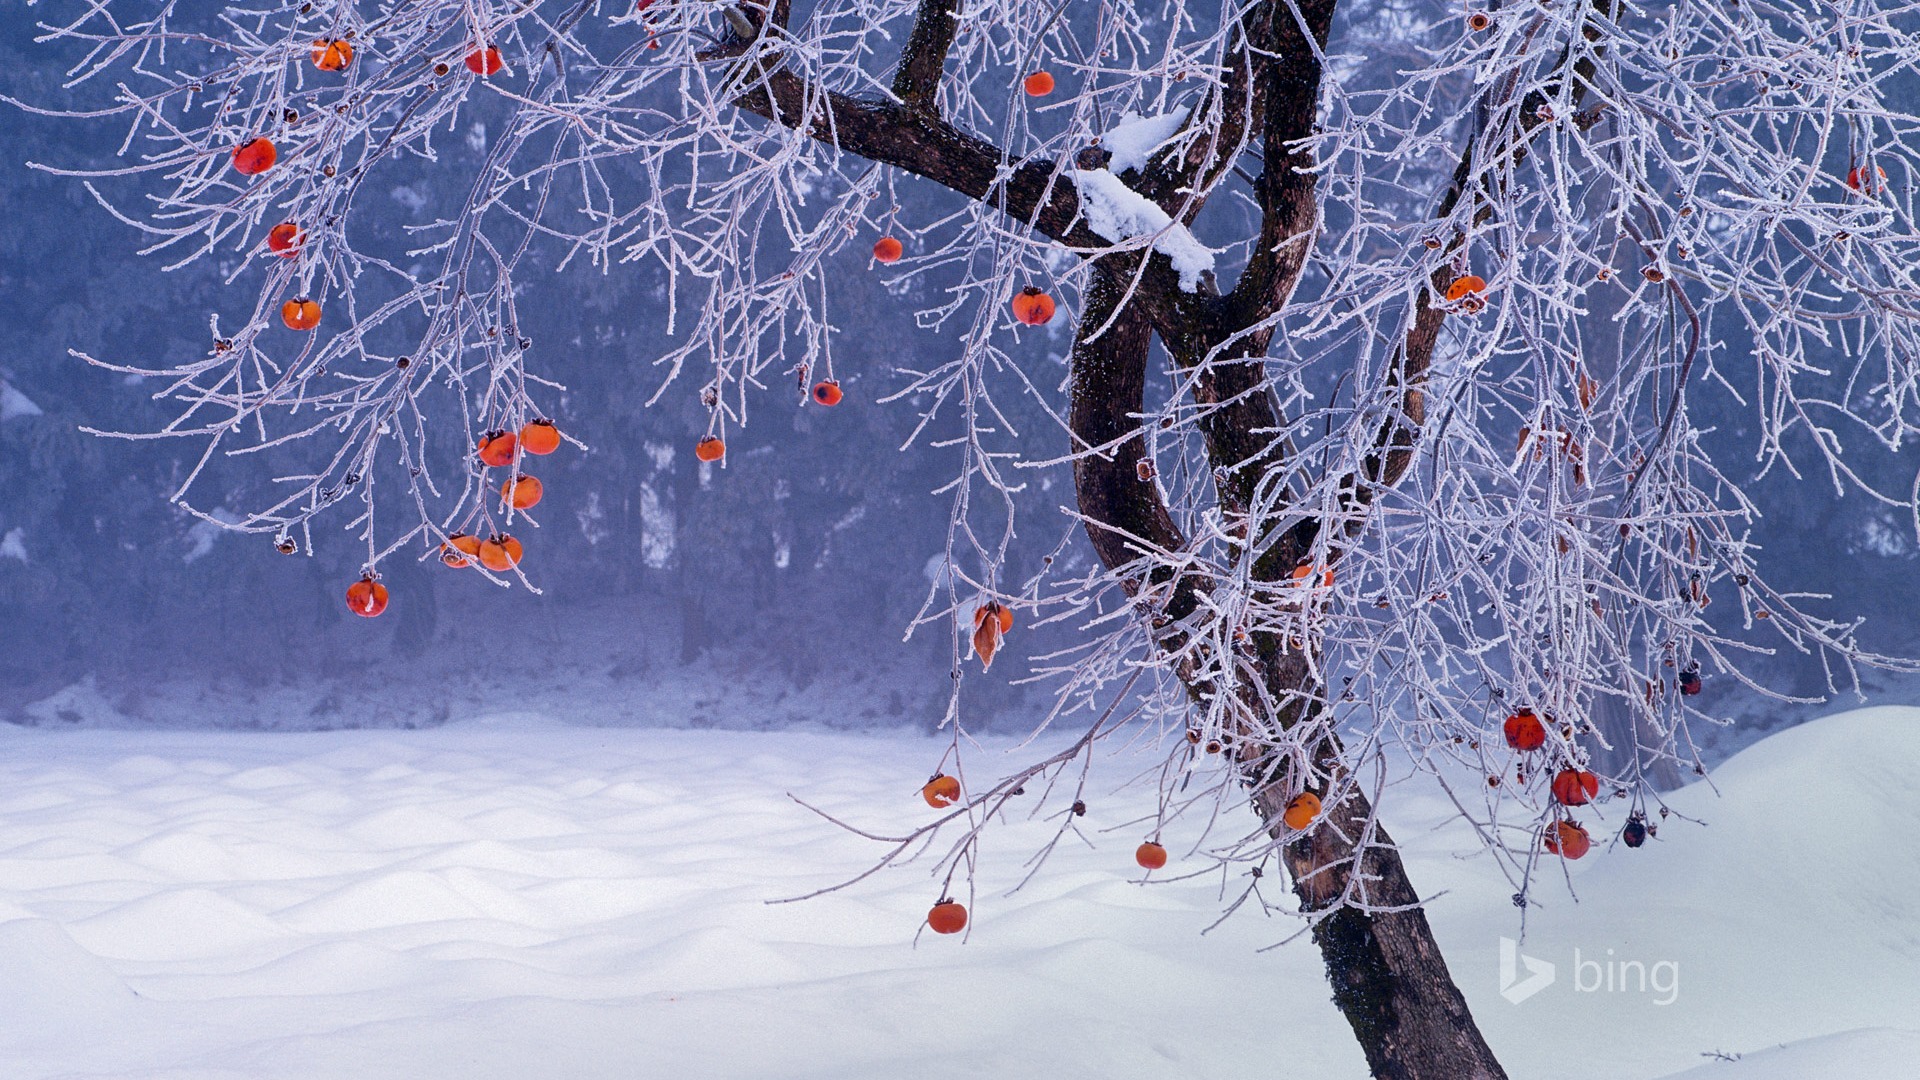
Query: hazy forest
x,y
803,567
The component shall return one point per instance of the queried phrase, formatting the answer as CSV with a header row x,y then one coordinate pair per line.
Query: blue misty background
x,y
775,593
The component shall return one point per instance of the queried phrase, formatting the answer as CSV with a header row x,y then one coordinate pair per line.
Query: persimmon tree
x,y
1384,325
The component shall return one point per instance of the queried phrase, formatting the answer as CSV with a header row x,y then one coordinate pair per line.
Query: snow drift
x,y
503,901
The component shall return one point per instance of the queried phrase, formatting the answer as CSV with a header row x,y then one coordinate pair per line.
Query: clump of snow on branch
x,y
1119,213
1133,140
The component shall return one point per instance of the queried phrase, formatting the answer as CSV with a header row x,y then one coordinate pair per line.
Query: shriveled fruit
x,y
990,621
1635,833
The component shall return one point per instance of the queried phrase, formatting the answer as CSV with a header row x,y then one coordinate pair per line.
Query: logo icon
x,y
1514,988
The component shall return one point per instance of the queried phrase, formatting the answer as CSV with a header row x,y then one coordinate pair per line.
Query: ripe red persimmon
x,y
887,250
710,449
540,437
500,553
254,158
1466,285
522,493
484,62
947,917
1567,840
1575,787
941,791
1039,84
1150,855
827,392
1305,573
1525,731
300,314
496,448
460,550
367,597
1864,182
332,55
285,239
1033,307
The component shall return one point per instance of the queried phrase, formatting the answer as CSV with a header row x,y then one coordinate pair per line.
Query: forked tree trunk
x,y
1387,972
1388,975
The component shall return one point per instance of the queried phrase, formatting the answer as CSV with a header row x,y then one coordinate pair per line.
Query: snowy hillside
x,y
519,901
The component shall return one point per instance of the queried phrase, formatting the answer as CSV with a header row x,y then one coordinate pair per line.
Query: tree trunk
x,y
1388,976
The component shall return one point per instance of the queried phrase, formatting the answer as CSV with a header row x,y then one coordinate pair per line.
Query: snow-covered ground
x,y
542,902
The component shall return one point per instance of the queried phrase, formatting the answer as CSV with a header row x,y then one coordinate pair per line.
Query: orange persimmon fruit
x,y
888,250
1862,181
1306,571
495,448
540,437
1038,84
947,917
332,55
710,449
254,158
500,553
1033,307
1567,840
1466,285
1301,810
522,493
300,314
827,392
941,791
460,550
1524,731
285,239
1150,855
484,62
1575,787
367,597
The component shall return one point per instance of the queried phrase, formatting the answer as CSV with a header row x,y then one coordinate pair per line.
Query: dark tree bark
x,y
1387,973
